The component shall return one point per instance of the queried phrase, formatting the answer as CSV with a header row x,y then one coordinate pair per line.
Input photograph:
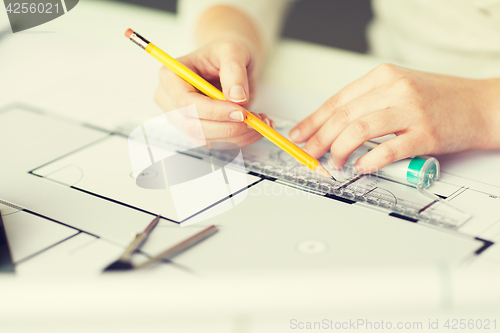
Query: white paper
x,y
253,235
80,255
105,169
29,139
29,234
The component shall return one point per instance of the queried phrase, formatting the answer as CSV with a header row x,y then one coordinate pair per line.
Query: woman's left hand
x,y
429,113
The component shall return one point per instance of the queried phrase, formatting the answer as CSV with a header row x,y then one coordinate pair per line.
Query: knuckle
x,y
235,66
183,100
318,141
361,128
332,103
229,130
388,152
344,116
210,110
407,84
387,68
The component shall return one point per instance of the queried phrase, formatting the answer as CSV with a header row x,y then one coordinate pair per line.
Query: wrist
x,y
226,22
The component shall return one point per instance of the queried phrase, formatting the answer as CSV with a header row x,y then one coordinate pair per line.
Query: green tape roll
x,y
422,172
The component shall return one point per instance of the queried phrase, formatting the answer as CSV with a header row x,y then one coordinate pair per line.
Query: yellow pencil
x,y
212,92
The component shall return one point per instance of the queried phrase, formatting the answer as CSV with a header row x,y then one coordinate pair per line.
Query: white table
x,y
102,79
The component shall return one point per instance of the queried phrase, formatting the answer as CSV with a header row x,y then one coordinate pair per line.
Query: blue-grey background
x,y
337,23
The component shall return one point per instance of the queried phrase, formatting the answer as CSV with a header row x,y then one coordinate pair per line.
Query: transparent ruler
x,y
398,198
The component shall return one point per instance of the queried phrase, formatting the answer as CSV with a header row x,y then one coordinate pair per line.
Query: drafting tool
x,y
205,87
377,190
124,263
174,250
6,263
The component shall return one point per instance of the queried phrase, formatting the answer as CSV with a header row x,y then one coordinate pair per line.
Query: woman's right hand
x,y
229,64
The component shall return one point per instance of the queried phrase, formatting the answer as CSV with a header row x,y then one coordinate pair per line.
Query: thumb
x,y
234,77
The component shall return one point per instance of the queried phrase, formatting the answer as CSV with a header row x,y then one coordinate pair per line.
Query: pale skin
x,y
430,114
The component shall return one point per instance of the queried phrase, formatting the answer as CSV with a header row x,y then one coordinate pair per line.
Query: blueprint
x,y
90,170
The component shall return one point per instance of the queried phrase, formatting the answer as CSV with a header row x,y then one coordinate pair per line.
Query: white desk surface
x,y
96,80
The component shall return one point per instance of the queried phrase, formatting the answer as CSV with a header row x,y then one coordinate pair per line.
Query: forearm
x,y
491,111
225,22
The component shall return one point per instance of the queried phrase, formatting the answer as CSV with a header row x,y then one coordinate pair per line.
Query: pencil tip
x,y
334,178
321,170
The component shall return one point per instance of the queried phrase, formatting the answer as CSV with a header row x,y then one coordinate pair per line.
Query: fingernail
x,y
267,122
330,163
236,115
294,134
273,125
237,94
